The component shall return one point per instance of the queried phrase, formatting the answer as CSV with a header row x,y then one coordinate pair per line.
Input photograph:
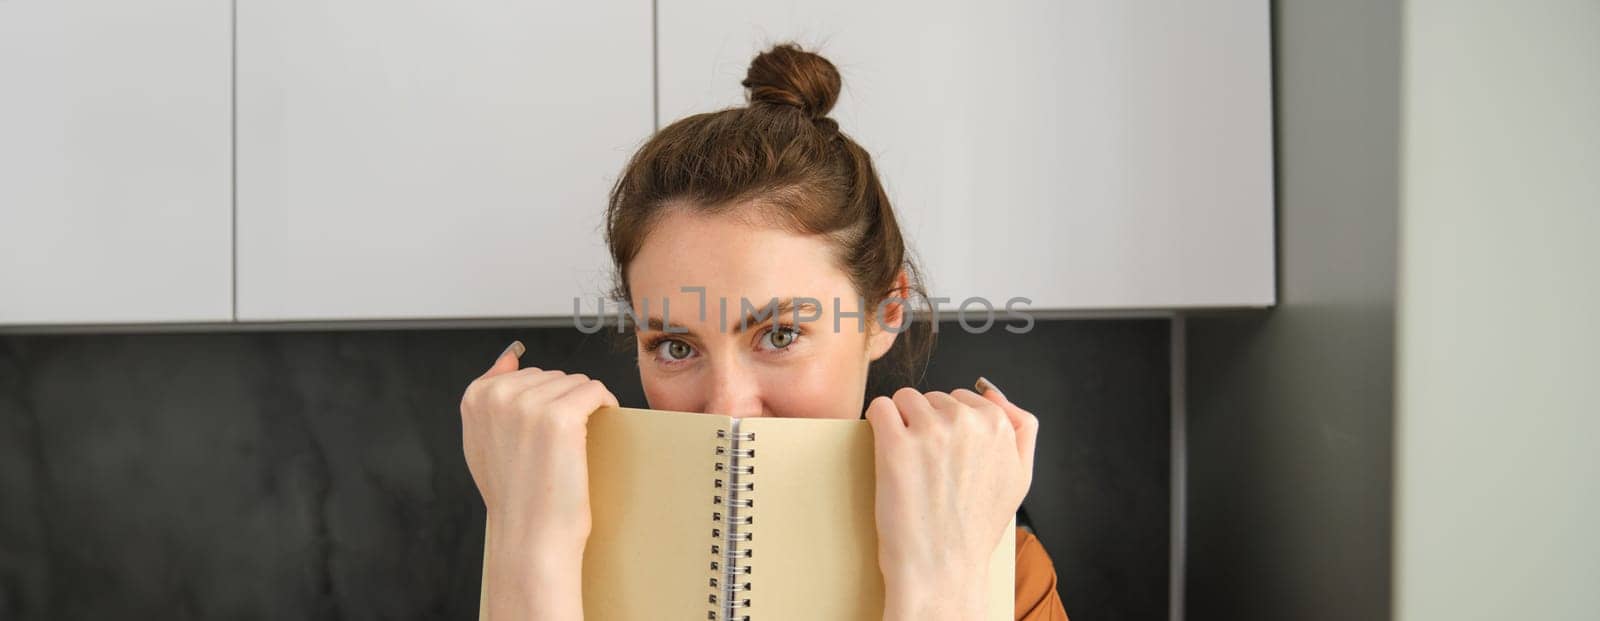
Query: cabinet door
x,y
1103,154
115,182
433,159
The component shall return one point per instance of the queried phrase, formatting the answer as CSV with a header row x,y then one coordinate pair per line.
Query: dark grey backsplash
x,y
318,475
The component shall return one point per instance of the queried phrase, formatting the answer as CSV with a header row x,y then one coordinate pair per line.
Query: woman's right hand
x,y
524,435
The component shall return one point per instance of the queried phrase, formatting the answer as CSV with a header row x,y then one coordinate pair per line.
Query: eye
x,y
674,350
779,338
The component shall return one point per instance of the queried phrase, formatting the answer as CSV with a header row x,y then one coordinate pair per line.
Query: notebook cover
x,y
815,542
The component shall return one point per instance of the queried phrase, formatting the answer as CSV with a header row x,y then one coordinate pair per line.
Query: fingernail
x,y
516,348
984,385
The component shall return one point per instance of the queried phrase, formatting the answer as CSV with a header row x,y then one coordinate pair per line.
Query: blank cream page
x,y
815,542
651,492
650,486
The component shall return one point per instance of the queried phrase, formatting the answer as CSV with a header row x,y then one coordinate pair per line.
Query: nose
x,y
734,391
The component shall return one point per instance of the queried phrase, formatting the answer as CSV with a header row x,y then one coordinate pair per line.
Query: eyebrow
x,y
785,306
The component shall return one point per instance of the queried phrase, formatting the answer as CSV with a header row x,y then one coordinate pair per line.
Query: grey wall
x,y
318,475
1498,497
1290,412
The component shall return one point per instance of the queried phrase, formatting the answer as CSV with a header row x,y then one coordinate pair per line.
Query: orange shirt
x,y
1036,582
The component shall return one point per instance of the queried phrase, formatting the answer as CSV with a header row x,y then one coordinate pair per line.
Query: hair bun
x,y
789,76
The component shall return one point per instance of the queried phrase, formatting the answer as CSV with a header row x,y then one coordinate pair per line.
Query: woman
x,y
754,204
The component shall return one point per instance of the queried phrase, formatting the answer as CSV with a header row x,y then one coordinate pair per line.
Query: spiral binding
x,y
731,552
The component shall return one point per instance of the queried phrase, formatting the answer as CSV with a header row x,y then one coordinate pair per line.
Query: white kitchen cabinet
x,y
432,160
115,182
188,161
1096,154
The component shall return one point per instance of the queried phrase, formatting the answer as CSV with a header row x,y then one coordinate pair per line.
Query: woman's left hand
x,y
951,470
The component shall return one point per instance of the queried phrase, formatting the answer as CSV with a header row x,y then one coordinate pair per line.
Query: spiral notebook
x,y
699,516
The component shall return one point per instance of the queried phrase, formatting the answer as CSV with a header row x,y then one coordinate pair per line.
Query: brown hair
x,y
780,159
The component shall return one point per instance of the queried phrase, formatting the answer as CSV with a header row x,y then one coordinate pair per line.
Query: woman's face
x,y
702,361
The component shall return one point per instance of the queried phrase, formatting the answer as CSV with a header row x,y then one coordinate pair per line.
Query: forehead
x,y
733,257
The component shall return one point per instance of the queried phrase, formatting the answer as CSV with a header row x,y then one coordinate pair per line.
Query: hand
x,y
524,433
952,469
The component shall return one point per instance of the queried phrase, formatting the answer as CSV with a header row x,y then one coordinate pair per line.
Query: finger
x,y
553,389
578,391
508,386
946,407
942,401
583,399
913,407
1027,441
508,360
887,425
529,377
993,394
982,406
1025,424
